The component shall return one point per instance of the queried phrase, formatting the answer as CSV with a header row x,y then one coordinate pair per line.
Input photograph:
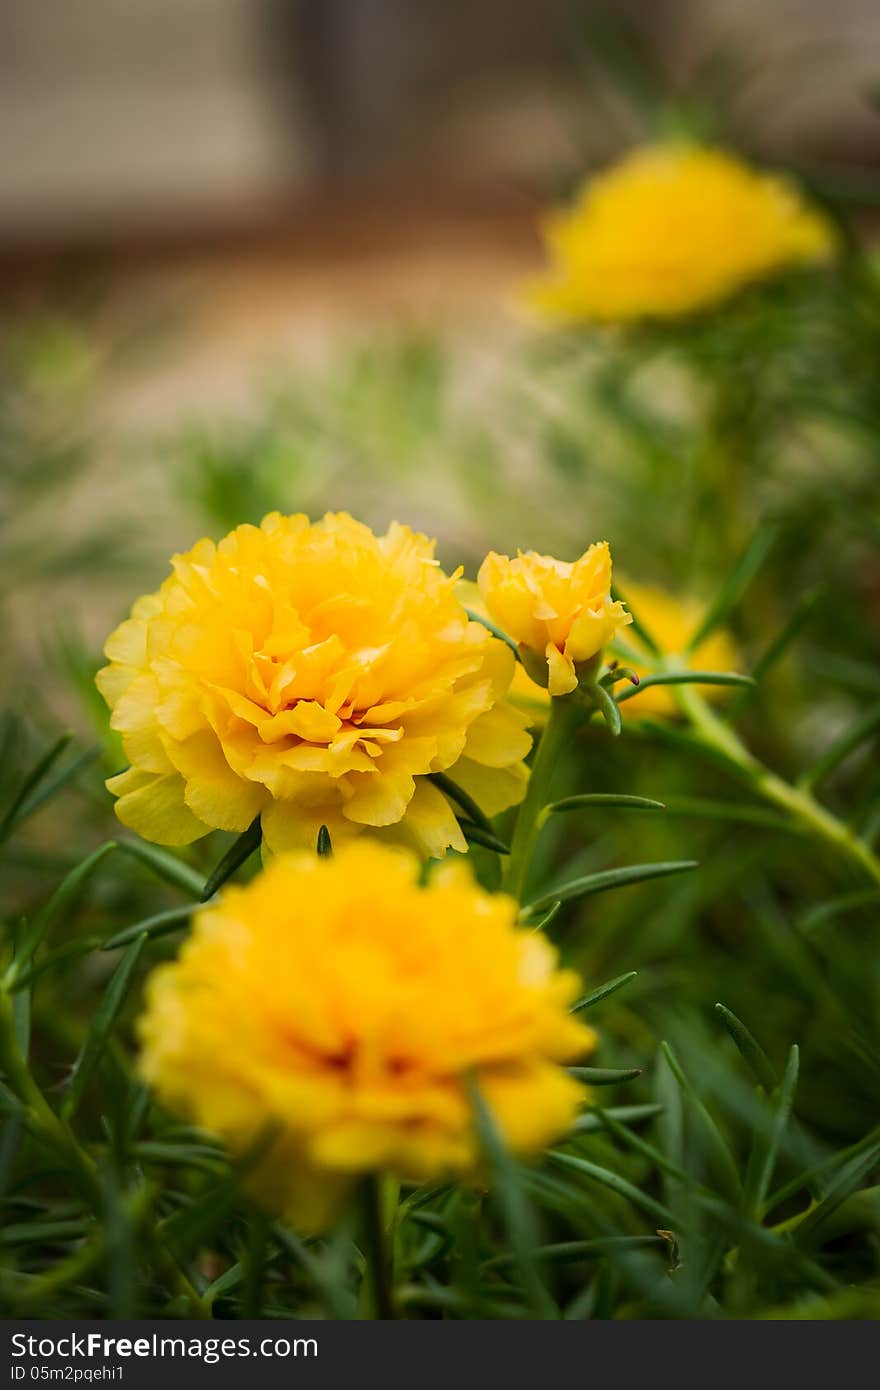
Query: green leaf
x,y
848,742
476,835
31,782
63,897
324,845
102,1025
596,996
717,1149
50,786
495,630
649,1151
150,928
606,704
461,799
584,1168
568,1250
848,1181
787,634
247,844
9,1101
607,879
21,1020
607,800
80,946
514,1204
48,1232
735,586
781,1115
751,1051
185,1155
836,907
225,1283
683,678
165,865
814,1177
549,916
590,1123
605,1076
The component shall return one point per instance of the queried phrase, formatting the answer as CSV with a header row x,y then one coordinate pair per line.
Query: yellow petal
x,y
431,820
379,799
499,737
493,788
563,677
157,810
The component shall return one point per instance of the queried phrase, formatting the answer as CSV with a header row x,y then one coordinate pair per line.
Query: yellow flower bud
x,y
560,614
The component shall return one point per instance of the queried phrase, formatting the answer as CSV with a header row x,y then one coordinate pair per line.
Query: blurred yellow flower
x,y
671,229
560,614
345,1004
670,621
310,674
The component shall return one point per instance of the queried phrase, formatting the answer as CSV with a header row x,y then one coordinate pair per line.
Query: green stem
x,y
377,1293
566,714
798,802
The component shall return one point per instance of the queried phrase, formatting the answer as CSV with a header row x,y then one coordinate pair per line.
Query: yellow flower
x,y
309,674
560,614
345,1004
670,621
671,229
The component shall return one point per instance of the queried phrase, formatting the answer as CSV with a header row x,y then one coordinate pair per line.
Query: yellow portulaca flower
x,y
670,621
344,1004
310,674
560,614
672,229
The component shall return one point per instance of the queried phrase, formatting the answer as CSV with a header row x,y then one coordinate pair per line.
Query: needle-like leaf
x,y
63,898
781,1115
751,1051
607,879
31,782
494,629
605,1076
596,996
102,1025
584,1168
165,865
841,748
247,844
736,584
606,800
151,927
683,678
461,799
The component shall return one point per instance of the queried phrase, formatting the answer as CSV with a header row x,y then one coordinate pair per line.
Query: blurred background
x,y
202,200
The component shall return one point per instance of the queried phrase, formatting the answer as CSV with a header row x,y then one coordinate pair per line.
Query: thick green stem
x,y
566,715
798,802
377,1293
